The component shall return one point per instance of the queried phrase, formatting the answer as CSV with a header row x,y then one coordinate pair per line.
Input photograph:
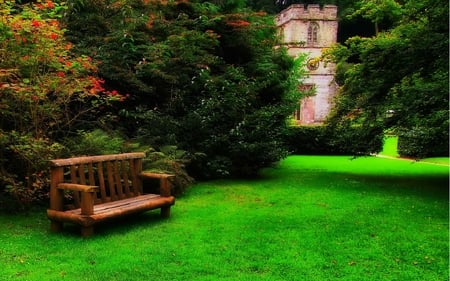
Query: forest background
x,y
200,86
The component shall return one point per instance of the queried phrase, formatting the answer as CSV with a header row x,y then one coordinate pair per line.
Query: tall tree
x,y
202,75
398,79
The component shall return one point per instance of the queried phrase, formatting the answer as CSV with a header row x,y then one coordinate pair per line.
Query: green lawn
x,y
310,218
390,146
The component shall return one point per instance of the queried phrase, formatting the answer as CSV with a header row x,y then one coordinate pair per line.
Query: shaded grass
x,y
437,160
310,218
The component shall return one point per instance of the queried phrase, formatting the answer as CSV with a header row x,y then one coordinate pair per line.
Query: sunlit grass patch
x,y
390,146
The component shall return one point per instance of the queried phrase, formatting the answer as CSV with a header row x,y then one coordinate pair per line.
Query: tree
x,y
398,80
377,11
44,92
201,75
262,5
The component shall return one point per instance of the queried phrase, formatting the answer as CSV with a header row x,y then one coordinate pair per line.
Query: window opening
x,y
313,31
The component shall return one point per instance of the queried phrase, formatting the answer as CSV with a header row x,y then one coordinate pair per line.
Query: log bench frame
x,y
103,187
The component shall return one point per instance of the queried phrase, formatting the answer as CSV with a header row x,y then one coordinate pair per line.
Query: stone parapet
x,y
310,12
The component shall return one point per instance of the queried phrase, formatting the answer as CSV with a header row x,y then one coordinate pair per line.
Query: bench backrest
x,y
116,175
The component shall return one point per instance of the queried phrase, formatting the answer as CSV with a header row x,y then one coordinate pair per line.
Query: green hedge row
x,y
320,140
314,140
323,140
423,142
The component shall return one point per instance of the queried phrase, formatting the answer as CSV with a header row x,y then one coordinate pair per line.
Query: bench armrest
x,y
164,185
78,187
152,175
87,195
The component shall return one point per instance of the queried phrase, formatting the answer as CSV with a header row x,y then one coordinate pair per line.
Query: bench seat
x,y
113,209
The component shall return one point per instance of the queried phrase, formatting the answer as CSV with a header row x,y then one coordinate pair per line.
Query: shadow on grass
x,y
117,226
419,185
344,174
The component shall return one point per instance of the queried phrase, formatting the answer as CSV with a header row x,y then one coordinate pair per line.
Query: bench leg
x,y
56,226
87,231
165,212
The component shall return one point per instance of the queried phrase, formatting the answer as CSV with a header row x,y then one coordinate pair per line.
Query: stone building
x,y
309,29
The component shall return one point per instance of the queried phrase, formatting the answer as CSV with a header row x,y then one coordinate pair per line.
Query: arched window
x,y
313,33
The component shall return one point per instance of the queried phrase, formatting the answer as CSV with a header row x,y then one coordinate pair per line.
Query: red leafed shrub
x,y
44,91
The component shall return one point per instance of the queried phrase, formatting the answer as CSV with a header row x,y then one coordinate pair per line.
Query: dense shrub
x,y
44,92
202,76
324,140
308,140
421,142
94,142
170,159
24,177
356,140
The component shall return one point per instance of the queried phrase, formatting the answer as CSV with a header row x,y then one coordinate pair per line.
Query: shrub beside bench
x,y
103,187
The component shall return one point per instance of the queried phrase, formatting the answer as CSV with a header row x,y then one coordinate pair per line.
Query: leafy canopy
x,y
398,79
203,76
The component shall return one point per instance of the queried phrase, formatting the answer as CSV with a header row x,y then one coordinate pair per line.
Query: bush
x,y
420,142
325,140
96,142
24,176
356,139
45,91
308,140
170,160
204,79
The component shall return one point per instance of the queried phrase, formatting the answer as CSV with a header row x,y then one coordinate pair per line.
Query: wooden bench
x,y
103,187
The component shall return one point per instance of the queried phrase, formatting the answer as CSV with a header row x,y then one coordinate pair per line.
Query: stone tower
x,y
308,30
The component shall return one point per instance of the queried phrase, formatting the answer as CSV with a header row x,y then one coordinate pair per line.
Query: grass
x,y
390,150
390,146
310,218
437,160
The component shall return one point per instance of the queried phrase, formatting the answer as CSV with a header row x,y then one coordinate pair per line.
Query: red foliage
x,y
238,23
50,5
35,23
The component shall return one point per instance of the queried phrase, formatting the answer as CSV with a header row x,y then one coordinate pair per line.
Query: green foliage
x,y
309,140
45,91
202,76
397,80
171,160
421,142
320,140
356,140
240,126
96,142
150,127
262,5
24,175
376,11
